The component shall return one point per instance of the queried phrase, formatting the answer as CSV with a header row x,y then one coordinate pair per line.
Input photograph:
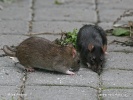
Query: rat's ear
x,y
74,52
90,47
104,48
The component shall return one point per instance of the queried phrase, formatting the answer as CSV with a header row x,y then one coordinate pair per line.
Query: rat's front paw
x,y
70,72
30,69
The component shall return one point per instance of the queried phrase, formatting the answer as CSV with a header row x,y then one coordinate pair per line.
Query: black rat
x,y
37,52
92,45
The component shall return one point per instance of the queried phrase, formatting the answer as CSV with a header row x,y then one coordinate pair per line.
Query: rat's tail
x,y
9,51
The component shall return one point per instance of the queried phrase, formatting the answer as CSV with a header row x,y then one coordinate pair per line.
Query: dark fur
x,y
95,35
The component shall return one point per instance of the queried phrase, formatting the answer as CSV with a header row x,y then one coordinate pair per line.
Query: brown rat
x,y
37,52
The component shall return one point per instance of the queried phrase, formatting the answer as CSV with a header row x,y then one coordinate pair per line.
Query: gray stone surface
x,y
11,40
10,76
26,4
117,78
45,18
115,94
117,47
50,37
66,3
118,38
109,15
17,10
56,27
9,92
84,77
17,39
6,62
114,9
121,61
60,93
67,14
106,25
14,13
1,52
115,4
13,27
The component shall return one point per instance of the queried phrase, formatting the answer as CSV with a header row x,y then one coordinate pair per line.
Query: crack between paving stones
x,y
3,55
46,33
57,20
107,88
97,12
52,85
22,87
99,93
32,17
117,69
122,51
24,78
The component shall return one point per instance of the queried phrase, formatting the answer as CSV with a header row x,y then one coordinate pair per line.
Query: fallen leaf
x,y
121,32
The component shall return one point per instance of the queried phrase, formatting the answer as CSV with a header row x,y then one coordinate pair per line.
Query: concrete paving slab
x,y
11,40
109,15
16,39
13,13
117,78
117,94
115,4
106,25
65,3
121,61
124,21
10,76
65,14
52,18
50,37
56,27
60,93
17,3
6,62
14,27
9,93
1,52
118,38
119,48
84,77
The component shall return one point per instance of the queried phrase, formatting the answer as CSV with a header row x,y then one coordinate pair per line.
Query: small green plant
x,y
57,2
68,38
12,98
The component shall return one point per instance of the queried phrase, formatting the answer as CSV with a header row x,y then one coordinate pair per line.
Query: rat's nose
x,y
88,65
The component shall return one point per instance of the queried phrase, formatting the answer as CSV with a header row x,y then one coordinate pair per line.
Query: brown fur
x,y
36,52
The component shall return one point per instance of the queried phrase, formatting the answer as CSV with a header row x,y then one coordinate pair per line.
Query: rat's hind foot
x,y
30,69
70,72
